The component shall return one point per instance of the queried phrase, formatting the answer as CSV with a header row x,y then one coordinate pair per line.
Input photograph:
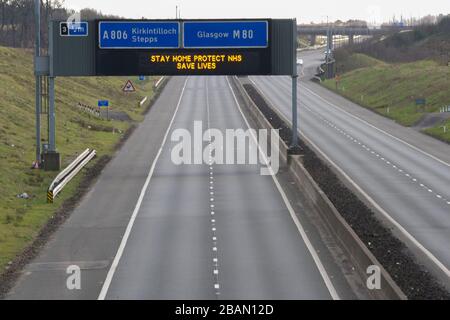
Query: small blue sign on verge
x,y
421,102
103,103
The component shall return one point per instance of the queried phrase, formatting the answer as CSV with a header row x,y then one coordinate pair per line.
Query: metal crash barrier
x,y
65,176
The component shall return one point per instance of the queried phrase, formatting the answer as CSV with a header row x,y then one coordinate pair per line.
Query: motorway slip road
x,y
404,172
149,229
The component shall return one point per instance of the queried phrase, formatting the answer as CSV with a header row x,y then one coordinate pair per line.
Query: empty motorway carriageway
x,y
151,229
401,173
243,184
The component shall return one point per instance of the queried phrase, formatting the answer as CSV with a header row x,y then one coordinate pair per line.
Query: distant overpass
x,y
316,30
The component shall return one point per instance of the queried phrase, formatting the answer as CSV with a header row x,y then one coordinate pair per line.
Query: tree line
x,y
17,20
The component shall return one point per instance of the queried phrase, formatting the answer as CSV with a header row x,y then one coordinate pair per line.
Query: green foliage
x,y
20,219
394,87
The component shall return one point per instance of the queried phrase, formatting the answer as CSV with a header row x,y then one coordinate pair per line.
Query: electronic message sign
x,y
201,47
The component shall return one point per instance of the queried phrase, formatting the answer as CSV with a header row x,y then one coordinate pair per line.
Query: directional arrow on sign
x,y
129,87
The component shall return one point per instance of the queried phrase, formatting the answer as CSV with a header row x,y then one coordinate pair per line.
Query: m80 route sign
x,y
226,34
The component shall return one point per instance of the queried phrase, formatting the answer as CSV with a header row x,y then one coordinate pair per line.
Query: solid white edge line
x,y
400,228
127,233
312,251
376,128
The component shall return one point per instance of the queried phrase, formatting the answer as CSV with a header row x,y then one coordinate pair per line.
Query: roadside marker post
x,y
104,104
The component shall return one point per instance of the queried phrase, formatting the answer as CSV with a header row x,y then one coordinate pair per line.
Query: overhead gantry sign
x,y
157,47
174,47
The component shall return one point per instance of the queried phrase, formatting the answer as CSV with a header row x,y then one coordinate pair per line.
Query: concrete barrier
x,y
356,251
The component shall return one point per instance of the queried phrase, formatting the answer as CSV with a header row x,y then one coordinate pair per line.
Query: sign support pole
x,y
38,81
51,116
294,143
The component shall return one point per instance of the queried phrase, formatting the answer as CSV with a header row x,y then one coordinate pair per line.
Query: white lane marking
x,y
330,124
312,251
125,237
425,251
394,222
378,129
213,221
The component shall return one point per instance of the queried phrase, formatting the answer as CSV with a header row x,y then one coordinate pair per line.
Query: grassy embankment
x,y
21,220
391,89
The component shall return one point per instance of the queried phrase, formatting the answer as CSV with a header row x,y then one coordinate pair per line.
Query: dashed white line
x,y
212,206
394,222
366,148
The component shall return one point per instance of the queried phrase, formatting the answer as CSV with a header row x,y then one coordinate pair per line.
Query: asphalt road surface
x,y
150,229
404,172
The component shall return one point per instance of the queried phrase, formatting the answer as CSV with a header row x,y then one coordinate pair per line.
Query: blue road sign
x,y
103,103
141,78
74,29
226,34
138,35
421,102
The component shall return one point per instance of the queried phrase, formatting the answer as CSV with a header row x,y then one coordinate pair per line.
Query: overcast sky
x,y
304,10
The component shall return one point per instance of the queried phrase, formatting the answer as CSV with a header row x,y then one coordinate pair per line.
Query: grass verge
x,y
22,220
392,89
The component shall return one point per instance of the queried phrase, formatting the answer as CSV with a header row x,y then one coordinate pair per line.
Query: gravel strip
x,y
412,278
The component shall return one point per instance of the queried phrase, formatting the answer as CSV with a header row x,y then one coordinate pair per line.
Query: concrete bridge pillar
x,y
351,39
313,39
330,40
